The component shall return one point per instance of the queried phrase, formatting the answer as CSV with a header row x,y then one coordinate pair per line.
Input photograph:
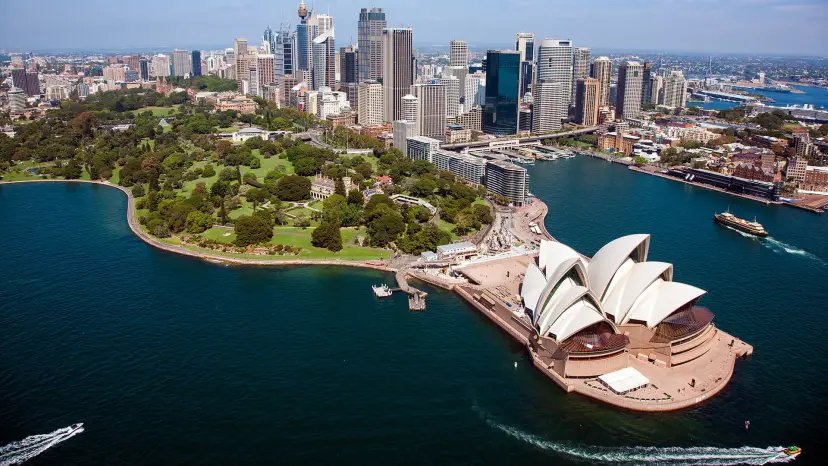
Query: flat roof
x,y
454,247
624,380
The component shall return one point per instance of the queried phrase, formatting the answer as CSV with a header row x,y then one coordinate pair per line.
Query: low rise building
x,y
244,134
507,179
816,179
468,167
456,251
241,104
323,187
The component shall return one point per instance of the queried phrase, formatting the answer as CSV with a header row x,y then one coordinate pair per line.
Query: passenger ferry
x,y
752,228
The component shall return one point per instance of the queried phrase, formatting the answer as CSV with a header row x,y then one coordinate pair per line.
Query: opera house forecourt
x,y
615,327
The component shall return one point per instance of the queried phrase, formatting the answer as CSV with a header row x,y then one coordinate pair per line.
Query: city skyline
x,y
204,24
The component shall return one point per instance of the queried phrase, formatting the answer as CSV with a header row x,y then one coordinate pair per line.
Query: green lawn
x,y
190,185
368,158
300,211
246,209
269,165
316,205
230,129
116,176
160,111
449,227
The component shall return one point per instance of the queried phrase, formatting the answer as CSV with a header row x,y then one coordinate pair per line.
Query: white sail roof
x,y
579,316
552,253
660,300
622,295
533,284
609,258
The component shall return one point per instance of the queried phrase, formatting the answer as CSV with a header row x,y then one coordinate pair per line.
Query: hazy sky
x,y
754,26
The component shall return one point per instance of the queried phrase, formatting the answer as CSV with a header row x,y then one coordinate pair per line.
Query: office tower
x,y
324,23
239,46
432,117
283,53
554,66
507,179
324,62
304,39
411,110
160,66
196,59
656,89
452,95
114,73
587,94
602,71
131,76
580,66
348,64
646,83
26,81
402,130
459,53
549,96
525,44
132,62
398,71
369,41
265,69
527,77
17,100
269,39
181,62
628,94
143,69
475,91
371,108
675,90
500,113
525,120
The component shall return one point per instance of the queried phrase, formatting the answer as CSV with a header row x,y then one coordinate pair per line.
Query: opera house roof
x,y
566,294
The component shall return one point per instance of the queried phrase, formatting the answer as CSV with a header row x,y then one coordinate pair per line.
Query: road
x,y
464,145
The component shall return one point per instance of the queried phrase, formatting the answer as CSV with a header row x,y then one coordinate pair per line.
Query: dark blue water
x,y
170,360
816,96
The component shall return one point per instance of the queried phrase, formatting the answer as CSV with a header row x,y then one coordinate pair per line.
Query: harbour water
x,y
170,360
816,96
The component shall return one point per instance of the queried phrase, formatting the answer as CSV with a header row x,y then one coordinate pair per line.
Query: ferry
x,y
382,291
792,451
752,228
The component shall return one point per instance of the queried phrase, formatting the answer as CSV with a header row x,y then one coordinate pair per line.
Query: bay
x,y
170,360
816,96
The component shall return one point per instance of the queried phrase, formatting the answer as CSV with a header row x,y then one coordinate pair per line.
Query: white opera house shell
x,y
585,309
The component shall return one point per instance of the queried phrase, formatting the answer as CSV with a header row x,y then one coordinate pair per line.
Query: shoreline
x,y
205,256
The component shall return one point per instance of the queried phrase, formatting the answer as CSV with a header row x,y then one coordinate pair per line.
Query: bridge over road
x,y
500,142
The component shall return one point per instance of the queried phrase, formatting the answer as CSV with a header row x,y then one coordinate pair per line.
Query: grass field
x,y
160,111
116,176
300,211
449,227
368,158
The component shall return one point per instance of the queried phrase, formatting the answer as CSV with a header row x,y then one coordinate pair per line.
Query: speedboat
x,y
792,451
75,427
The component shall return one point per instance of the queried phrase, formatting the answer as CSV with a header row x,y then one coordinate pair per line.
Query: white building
x,y
459,53
421,148
675,90
432,120
466,166
475,91
370,103
402,130
547,110
331,103
411,111
160,66
554,67
452,85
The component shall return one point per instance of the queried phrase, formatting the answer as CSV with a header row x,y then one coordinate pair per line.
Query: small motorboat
x,y
76,426
792,450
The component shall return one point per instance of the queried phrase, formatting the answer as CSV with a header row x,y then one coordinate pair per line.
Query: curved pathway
x,y
149,239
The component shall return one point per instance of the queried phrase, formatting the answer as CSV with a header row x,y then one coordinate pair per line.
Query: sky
x,y
795,27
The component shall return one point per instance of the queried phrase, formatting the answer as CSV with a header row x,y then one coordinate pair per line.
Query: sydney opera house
x,y
616,327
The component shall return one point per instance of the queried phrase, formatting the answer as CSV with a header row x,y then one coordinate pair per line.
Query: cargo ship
x,y
729,220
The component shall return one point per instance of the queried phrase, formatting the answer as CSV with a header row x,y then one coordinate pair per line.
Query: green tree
x,y
386,228
639,160
138,190
339,187
256,196
252,230
72,170
327,235
209,171
293,188
198,222
355,197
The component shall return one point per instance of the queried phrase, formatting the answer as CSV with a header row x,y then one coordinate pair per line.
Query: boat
x,y
382,291
792,451
729,220
76,426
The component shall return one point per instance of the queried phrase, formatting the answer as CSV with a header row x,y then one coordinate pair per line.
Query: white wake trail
x,y
779,247
647,455
29,447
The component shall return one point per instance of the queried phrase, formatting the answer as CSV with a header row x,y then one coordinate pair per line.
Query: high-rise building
x,y
646,83
143,69
802,145
265,69
324,63
549,97
459,53
371,108
181,62
398,69
656,89
160,66
369,41
324,23
554,66
587,94
475,91
27,81
348,64
580,66
525,44
132,62
500,113
675,90
432,117
452,95
282,50
602,71
411,110
507,179
628,93
422,148
17,100
304,39
402,130
196,59
114,74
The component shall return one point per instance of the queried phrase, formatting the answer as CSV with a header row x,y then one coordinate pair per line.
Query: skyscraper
x,y
675,89
370,107
181,62
500,114
143,69
303,39
432,118
452,95
403,129
525,44
265,69
196,59
398,71
586,101
160,65
324,23
283,52
269,39
602,71
411,110
369,41
475,91
646,84
132,62
324,50
628,94
554,66
656,89
580,66
459,53
348,64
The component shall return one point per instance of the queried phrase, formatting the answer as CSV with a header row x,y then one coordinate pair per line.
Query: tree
x,y
372,208
252,230
198,222
219,188
385,228
293,188
209,171
83,124
256,195
339,187
72,170
639,160
327,235
138,190
355,197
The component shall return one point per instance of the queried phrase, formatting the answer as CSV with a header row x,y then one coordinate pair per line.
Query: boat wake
x,y
646,455
779,247
29,447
